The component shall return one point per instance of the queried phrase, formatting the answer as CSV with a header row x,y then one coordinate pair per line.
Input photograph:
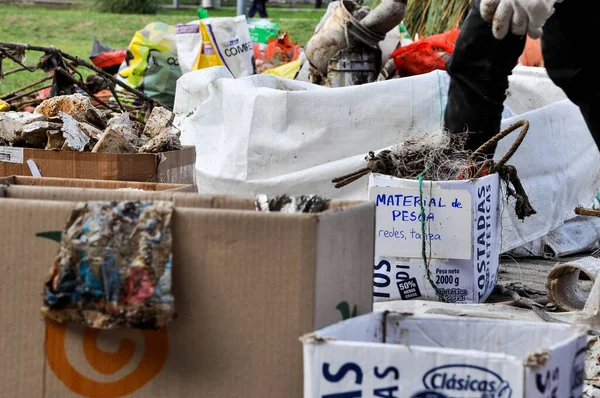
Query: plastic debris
x,y
291,204
114,267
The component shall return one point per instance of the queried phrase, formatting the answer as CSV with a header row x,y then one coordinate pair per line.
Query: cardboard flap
x,y
346,258
86,183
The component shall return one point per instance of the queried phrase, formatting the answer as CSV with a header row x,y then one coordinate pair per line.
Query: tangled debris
x,y
291,204
442,157
72,123
66,79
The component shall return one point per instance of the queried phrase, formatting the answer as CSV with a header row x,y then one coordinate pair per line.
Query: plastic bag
x,y
226,42
189,42
532,54
287,71
261,30
152,65
425,55
264,134
279,51
106,58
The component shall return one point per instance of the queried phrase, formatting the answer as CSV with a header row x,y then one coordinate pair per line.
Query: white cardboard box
x,y
393,355
462,233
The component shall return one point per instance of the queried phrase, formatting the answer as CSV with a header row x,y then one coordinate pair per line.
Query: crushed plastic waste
x,y
291,204
114,267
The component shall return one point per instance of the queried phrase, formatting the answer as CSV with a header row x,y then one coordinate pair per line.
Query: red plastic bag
x,y
425,55
279,51
532,54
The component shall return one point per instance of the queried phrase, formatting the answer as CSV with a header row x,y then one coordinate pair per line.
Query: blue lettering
x,y
480,192
433,381
384,263
456,204
406,201
351,394
380,199
389,370
413,216
347,367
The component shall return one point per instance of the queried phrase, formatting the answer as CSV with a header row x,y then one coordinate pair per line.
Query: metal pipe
x,y
241,7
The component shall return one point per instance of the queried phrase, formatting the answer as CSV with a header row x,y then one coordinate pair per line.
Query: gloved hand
x,y
520,16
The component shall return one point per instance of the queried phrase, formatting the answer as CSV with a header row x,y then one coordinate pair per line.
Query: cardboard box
x,y
393,355
22,181
462,238
246,285
176,167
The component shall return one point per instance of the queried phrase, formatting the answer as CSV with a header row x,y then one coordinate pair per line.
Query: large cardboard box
x,y
246,285
176,167
47,182
458,239
427,356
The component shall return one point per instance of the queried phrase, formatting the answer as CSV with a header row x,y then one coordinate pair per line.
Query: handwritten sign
x,y
447,218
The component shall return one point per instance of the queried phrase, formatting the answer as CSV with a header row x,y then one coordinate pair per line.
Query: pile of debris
x,y
72,123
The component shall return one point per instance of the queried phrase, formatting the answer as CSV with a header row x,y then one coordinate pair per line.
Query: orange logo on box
x,y
107,363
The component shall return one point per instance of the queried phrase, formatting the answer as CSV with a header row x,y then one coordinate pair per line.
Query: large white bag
x,y
264,134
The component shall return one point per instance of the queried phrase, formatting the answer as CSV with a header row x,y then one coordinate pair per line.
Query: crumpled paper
x,y
114,267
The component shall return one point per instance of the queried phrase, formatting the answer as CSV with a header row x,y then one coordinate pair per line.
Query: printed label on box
x,y
395,372
394,279
409,289
447,217
11,155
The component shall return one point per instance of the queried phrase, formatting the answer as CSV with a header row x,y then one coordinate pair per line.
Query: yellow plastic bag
x,y
154,68
208,56
288,70
4,107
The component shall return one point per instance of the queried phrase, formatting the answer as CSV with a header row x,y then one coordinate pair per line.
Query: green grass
x,y
74,29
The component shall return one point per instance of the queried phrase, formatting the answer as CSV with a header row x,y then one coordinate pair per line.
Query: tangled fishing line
x,y
442,157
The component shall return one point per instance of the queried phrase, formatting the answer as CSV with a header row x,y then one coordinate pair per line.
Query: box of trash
x,y
67,137
44,183
175,167
435,240
429,356
245,285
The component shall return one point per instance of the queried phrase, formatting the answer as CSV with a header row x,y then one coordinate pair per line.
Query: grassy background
x,y
73,29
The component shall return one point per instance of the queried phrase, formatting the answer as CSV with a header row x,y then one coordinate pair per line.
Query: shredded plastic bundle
x,y
114,267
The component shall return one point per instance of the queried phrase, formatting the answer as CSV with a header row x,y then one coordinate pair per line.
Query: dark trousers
x,y
259,6
480,66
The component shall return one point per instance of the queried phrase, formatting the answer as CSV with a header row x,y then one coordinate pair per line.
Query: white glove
x,y
520,16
